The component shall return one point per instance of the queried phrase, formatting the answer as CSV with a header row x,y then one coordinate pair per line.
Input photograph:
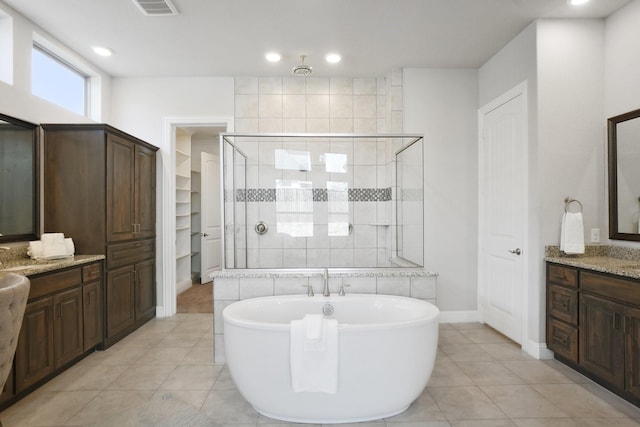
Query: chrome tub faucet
x,y
326,292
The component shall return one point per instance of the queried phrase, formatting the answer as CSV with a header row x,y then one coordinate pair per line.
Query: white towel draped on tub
x,y
314,354
572,233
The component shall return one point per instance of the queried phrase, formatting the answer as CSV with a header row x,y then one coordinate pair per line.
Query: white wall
x,y
622,69
15,97
442,104
140,105
571,125
563,64
571,129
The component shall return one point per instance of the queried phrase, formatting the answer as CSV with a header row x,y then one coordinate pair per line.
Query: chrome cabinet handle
x,y
516,251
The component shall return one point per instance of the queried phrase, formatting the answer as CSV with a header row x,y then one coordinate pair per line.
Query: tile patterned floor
x,y
163,375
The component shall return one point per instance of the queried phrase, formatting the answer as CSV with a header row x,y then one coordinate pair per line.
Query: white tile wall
x,y
322,105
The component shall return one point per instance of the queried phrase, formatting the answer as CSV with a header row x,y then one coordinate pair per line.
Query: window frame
x,y
86,78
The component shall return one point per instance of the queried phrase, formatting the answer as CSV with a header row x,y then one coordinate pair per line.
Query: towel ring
x,y
568,201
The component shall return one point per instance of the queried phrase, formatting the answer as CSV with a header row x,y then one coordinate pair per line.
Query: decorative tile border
x,y
318,194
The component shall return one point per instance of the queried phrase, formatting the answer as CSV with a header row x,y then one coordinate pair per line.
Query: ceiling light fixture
x,y
333,58
272,56
577,2
302,69
102,51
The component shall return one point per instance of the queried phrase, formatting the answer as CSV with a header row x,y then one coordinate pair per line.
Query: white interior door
x,y
210,226
503,214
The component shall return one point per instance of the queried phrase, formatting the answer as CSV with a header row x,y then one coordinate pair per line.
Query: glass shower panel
x,y
229,205
409,205
325,200
240,209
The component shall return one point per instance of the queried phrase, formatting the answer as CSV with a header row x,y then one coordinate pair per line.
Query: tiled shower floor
x,y
163,375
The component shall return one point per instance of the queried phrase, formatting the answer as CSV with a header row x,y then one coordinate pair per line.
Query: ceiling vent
x,y
156,7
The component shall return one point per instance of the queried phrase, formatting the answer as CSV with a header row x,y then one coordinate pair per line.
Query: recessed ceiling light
x,y
102,51
333,58
272,56
577,2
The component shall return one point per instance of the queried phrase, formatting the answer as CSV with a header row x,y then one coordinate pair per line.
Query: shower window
x,y
327,200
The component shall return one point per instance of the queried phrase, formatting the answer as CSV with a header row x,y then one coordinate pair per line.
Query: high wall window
x,y
57,81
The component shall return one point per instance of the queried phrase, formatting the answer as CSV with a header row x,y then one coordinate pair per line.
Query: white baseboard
x,y
460,316
160,311
537,350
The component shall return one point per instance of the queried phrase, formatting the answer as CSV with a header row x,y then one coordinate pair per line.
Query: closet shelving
x,y
183,210
195,226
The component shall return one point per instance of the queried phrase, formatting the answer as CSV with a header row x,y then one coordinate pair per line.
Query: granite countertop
x,y
606,259
30,267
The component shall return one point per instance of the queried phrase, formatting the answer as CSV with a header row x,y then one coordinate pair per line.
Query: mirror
x,y
624,176
18,180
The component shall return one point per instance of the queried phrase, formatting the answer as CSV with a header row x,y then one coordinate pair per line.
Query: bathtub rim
x,y
433,314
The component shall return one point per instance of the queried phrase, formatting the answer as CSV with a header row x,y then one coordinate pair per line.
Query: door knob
x,y
205,235
516,251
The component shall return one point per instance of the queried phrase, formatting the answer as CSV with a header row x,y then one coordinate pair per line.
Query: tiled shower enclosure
x,y
322,200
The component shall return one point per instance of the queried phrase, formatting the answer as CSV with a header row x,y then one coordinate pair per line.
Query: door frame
x,y
519,90
166,207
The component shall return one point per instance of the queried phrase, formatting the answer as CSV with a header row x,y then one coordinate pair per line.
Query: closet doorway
x,y
198,231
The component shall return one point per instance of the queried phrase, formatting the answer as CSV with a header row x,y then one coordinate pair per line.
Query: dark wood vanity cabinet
x,y
562,311
100,189
34,353
92,303
602,339
593,325
60,323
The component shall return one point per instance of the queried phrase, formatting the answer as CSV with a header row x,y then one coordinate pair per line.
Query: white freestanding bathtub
x,y
386,352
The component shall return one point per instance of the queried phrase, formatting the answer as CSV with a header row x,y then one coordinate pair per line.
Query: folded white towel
x,y
36,249
572,233
314,354
71,248
55,246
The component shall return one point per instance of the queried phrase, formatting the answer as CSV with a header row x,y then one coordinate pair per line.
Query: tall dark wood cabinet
x,y
100,189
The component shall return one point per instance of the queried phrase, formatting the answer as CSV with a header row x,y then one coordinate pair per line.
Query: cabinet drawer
x,y
54,282
562,303
129,253
623,290
564,276
90,272
562,339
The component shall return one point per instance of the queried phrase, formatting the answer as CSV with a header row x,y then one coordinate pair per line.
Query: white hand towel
x,y
315,333
572,233
35,250
71,248
53,246
314,354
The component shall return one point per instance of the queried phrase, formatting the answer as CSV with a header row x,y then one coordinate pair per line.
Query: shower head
x,y
301,69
